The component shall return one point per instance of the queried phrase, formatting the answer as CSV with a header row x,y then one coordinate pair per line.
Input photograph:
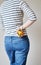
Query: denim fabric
x,y
17,49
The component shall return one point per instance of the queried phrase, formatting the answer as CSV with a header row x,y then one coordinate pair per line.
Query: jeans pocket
x,y
25,37
7,39
26,41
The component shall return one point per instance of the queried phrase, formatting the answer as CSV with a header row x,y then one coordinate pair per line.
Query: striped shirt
x,y
12,12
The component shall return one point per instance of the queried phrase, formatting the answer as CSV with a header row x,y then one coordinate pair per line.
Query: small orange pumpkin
x,y
20,33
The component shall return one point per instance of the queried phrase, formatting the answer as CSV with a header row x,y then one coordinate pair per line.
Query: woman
x,y
17,47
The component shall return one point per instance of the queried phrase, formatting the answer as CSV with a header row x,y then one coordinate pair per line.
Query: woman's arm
x,y
27,24
30,13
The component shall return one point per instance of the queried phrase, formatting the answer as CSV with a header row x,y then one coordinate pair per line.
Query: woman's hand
x,y
20,31
21,28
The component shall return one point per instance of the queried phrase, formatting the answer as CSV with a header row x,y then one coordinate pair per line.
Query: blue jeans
x,y
17,49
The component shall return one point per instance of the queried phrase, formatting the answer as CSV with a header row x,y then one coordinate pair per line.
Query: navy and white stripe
x,y
12,12
26,9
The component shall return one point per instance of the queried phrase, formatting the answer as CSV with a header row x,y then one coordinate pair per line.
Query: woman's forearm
x,y
27,24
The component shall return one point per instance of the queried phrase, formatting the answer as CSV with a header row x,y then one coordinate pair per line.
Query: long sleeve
x,y
26,9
